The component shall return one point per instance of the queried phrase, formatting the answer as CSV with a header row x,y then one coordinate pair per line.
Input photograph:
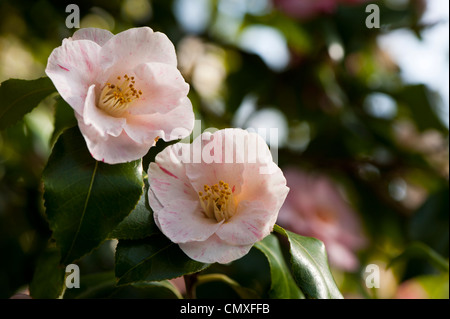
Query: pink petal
x,y
101,121
250,224
155,205
167,177
99,36
210,163
110,149
135,46
176,124
263,179
182,221
214,250
73,68
162,85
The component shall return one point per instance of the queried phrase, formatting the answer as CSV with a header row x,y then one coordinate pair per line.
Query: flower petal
x,y
136,46
111,149
99,36
73,68
162,85
214,250
251,223
176,124
210,162
167,176
263,179
101,121
182,221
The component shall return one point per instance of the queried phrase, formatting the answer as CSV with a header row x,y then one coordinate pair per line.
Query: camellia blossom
x,y
315,208
125,89
217,206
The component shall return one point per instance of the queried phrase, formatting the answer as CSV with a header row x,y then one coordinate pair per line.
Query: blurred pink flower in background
x,y
314,207
411,289
306,9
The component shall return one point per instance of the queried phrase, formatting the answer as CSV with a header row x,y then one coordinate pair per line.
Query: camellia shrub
x,y
195,204
181,149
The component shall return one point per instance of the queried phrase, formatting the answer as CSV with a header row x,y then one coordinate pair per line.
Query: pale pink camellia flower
x,y
315,208
218,196
125,89
307,9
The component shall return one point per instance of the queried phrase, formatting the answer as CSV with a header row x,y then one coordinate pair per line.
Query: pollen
x,y
217,201
116,98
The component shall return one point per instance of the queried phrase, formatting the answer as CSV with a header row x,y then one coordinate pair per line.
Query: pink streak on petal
x,y
66,69
167,172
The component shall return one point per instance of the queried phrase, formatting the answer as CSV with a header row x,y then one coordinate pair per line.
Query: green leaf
x,y
139,224
310,267
283,285
421,103
430,223
420,250
18,97
152,259
64,119
85,199
48,278
103,285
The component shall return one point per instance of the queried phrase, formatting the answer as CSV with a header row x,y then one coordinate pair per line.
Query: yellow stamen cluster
x,y
115,99
217,201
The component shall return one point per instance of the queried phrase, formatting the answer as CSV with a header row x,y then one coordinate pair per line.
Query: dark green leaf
x,y
283,285
103,285
139,224
152,259
64,119
421,103
18,97
430,223
48,278
85,199
310,267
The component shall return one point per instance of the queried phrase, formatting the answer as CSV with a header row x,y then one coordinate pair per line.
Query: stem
x,y
215,277
191,284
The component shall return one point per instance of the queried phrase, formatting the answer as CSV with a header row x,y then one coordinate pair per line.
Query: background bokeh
x,y
362,118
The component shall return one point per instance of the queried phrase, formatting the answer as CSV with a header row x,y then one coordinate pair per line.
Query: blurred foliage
x,y
335,68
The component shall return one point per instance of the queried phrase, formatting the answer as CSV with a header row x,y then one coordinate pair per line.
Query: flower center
x,y
217,201
115,99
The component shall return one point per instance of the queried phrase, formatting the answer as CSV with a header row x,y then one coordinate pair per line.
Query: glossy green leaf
x,y
152,259
85,199
139,224
48,277
283,285
310,267
18,97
